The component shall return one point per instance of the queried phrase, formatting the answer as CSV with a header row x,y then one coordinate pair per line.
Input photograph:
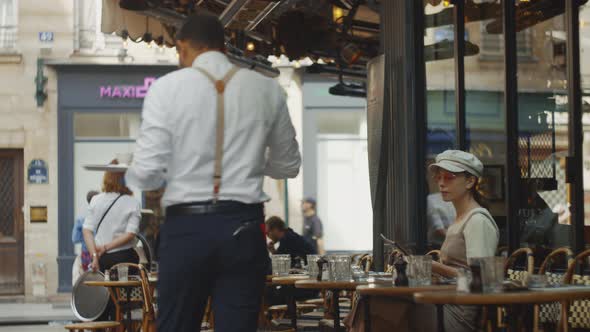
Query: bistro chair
x,y
502,251
550,314
391,259
517,267
435,255
140,298
526,259
578,273
366,262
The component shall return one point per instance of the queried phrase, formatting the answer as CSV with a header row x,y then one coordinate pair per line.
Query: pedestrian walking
x,y
313,229
210,133
84,258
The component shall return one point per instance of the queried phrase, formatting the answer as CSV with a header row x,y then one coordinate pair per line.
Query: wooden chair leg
x,y
536,319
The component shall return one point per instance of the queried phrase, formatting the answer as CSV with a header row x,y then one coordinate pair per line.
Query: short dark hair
x,y
275,223
91,194
204,30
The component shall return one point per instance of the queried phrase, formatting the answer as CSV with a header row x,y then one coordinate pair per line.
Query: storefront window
x,y
106,125
99,137
543,129
440,108
484,103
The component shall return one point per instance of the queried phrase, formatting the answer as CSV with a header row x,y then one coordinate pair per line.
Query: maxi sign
x,y
127,91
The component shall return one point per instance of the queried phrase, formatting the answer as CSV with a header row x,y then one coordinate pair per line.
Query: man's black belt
x,y
198,208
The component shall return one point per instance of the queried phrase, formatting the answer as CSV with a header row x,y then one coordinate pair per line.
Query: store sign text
x,y
127,91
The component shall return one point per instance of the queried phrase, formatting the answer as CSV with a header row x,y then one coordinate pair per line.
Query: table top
x,y
288,280
130,283
341,285
520,297
393,291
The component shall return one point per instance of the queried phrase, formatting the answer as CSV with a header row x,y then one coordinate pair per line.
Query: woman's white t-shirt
x,y
481,234
123,217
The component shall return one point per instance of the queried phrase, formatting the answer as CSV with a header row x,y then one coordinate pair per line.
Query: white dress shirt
x,y
176,144
124,217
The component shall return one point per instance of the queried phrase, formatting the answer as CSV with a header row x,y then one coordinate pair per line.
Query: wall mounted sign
x,y
126,91
37,172
46,36
39,214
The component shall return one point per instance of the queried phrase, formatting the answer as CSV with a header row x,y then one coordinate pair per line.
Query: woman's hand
x,y
95,264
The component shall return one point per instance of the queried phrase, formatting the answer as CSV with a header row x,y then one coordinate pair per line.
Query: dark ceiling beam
x,y
165,16
231,11
262,15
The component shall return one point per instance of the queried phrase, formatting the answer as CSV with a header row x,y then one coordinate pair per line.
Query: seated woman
x,y
474,232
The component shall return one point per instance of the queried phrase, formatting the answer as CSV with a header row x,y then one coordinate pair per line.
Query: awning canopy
x,y
134,25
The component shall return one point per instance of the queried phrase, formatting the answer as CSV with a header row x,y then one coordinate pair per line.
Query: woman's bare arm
x,y
89,240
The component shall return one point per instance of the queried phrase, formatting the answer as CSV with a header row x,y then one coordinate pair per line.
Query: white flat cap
x,y
457,161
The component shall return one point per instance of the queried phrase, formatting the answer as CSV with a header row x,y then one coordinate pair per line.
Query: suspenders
x,y
220,88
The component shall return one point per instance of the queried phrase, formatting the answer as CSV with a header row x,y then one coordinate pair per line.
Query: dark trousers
x,y
200,257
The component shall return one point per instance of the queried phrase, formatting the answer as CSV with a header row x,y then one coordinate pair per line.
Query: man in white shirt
x,y
210,133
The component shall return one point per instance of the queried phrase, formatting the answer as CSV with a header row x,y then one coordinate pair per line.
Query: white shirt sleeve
x,y
481,237
154,144
91,221
283,158
134,218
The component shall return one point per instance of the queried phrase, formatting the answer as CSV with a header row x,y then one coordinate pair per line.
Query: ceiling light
x,y
446,3
337,13
250,46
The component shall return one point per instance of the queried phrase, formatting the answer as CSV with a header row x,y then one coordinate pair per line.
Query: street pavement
x,y
34,313
33,328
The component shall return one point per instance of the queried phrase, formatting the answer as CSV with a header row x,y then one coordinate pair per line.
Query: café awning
x,y
134,25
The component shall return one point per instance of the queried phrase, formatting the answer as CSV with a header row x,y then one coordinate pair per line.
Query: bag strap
x,y
220,88
105,213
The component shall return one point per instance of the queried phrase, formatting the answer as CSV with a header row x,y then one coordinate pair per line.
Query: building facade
x,y
69,96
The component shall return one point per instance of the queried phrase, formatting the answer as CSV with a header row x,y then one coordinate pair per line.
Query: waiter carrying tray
x,y
210,132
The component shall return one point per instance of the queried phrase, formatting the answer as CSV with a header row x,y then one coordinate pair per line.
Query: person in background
x,y
474,232
112,223
313,229
289,242
85,258
440,215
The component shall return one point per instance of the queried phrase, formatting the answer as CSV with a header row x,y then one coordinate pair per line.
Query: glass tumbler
x,y
340,268
123,273
281,265
419,270
312,265
492,274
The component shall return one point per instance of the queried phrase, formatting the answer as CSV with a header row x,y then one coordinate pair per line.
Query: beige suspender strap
x,y
219,133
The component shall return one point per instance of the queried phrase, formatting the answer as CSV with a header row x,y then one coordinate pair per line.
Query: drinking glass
x,y
536,281
340,268
154,267
123,273
281,265
312,265
492,274
419,270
